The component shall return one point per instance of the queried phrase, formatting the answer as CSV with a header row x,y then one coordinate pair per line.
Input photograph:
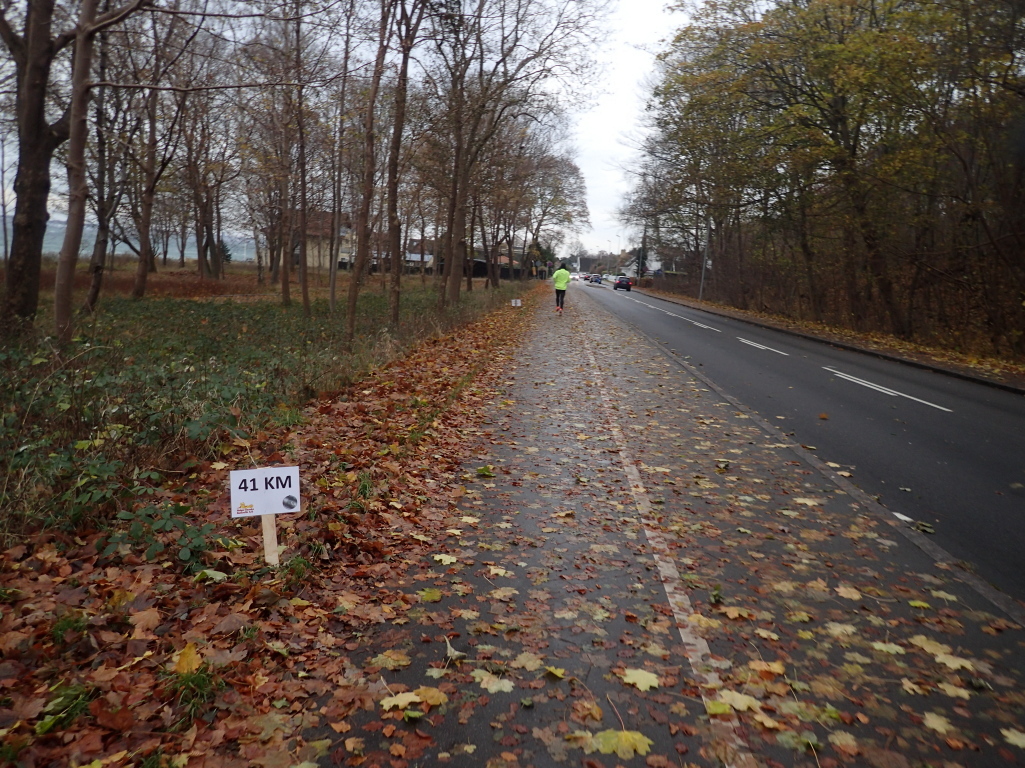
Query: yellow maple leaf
x,y
624,743
767,722
849,592
736,612
888,648
391,659
938,723
528,661
703,621
955,691
643,679
430,695
838,630
400,700
767,667
928,645
844,742
766,634
1014,738
740,701
954,662
910,687
189,660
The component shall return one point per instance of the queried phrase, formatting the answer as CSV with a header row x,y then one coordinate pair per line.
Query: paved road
x,y
934,448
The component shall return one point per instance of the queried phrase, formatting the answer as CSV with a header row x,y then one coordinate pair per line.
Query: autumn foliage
x,y
140,658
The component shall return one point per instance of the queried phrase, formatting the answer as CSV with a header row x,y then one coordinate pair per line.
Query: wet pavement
x,y
641,573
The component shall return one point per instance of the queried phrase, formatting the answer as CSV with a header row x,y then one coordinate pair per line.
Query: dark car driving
x,y
622,281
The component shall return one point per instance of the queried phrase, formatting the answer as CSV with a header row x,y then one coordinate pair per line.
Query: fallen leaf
x,y
844,743
528,661
1014,737
767,668
888,648
641,678
954,662
445,559
955,691
230,624
929,646
910,687
766,634
740,701
839,630
716,707
849,592
391,659
188,661
767,722
938,723
432,696
400,700
625,744
492,683
145,622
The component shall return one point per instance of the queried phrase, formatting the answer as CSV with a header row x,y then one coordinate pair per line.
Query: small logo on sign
x,y
245,509
289,502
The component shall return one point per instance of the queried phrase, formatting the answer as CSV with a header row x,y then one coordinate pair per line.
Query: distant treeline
x,y
854,162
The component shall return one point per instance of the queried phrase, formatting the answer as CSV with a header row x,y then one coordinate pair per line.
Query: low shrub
x,y
151,387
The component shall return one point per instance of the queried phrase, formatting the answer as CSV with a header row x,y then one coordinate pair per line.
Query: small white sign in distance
x,y
517,302
265,491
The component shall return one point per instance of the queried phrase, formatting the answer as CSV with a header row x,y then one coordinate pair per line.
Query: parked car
x,y
622,282
596,279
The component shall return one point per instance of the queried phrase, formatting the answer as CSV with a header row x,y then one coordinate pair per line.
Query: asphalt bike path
x,y
640,573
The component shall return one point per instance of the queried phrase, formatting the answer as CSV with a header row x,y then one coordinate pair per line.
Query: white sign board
x,y
264,491
517,302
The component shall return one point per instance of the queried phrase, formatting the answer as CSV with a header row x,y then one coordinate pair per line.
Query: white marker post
x,y
265,492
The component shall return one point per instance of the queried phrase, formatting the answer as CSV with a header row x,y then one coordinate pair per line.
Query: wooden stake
x,y
270,539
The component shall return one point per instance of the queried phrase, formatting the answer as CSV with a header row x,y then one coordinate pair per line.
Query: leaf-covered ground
x,y
522,554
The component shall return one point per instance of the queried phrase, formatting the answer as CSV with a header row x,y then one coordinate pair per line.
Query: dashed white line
x,y
762,346
882,389
680,317
696,649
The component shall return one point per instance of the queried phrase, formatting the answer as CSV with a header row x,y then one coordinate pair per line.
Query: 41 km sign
x,y
263,493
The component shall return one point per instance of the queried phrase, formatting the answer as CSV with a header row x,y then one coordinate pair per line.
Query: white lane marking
x,y
692,322
697,651
762,346
903,518
881,388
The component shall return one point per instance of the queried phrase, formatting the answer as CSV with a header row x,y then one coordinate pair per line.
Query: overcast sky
x,y
606,133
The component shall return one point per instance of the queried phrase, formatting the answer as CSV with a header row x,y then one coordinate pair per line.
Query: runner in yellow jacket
x,y
561,279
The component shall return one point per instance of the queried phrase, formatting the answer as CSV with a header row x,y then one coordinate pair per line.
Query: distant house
x,y
318,239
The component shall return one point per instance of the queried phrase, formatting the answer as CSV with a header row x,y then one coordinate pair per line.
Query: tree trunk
x,y
77,178
37,141
408,23
363,223
145,221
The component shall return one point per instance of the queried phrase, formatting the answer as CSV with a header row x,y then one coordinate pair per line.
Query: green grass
x,y
149,387
193,691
